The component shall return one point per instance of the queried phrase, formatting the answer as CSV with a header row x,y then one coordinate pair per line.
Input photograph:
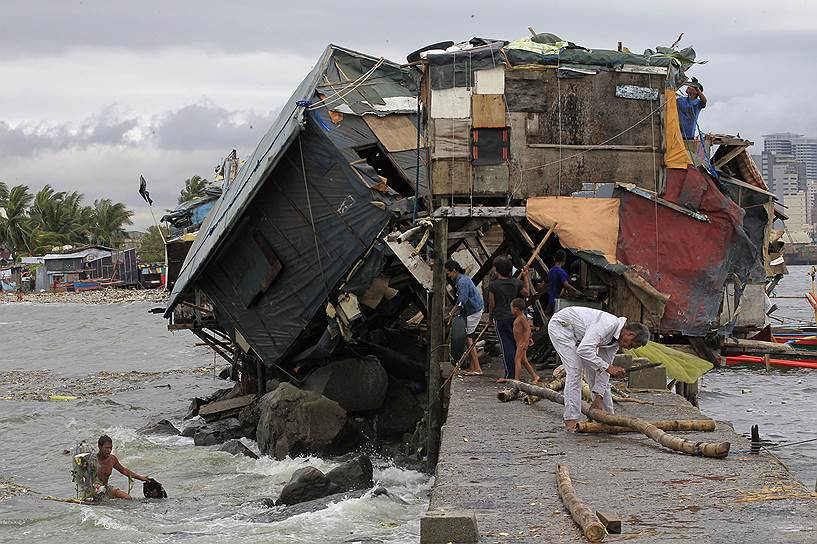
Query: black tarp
x,y
346,224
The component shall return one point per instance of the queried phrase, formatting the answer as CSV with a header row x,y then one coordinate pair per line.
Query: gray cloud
x,y
196,126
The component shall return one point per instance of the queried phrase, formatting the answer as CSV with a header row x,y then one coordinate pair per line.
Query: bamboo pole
x,y
705,449
701,425
589,523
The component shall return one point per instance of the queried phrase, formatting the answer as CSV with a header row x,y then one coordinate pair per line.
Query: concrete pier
x,y
497,465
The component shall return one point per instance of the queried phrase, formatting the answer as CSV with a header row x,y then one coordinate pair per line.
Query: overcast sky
x,y
93,93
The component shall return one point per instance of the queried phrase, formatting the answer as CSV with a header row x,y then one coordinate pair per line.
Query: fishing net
x,y
680,366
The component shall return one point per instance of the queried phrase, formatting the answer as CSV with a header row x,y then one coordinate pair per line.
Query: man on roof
x,y
689,107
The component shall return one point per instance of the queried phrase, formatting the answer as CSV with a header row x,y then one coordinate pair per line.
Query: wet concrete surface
x,y
499,460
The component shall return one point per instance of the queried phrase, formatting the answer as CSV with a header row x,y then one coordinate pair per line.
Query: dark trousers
x,y
504,332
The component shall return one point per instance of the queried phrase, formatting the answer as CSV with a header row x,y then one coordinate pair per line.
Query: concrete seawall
x,y
497,465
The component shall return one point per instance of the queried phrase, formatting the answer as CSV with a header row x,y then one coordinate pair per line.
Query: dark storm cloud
x,y
26,138
207,125
197,126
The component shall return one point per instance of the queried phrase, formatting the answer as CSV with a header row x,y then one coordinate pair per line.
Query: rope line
x,y
352,86
312,219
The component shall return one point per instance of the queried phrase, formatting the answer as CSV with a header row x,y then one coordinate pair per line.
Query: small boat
x,y
749,359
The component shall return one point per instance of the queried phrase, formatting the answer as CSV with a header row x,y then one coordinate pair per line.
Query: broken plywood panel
x,y
375,293
416,266
453,103
488,111
450,177
450,138
491,179
490,81
396,132
223,408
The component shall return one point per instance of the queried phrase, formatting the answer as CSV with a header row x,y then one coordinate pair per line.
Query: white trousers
x,y
564,342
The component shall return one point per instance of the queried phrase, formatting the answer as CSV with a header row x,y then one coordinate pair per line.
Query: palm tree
x,y
4,194
15,226
108,220
193,188
62,215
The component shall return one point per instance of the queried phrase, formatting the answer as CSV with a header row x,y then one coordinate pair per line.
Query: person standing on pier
x,y
470,305
501,291
587,340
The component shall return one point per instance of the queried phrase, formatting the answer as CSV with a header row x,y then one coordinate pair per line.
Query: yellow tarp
x,y
676,155
680,366
581,223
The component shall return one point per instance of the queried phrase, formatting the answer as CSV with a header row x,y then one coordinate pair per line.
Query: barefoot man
x,y
588,339
106,462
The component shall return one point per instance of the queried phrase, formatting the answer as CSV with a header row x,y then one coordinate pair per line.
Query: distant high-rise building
x,y
802,148
784,174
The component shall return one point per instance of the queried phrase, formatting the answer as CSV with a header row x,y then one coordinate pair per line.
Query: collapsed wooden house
x,y
316,246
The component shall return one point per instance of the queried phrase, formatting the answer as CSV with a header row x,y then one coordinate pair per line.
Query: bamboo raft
x,y
705,449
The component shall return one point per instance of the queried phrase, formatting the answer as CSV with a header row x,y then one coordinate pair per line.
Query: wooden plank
x,y
611,522
395,132
221,408
479,211
731,154
488,111
605,147
416,266
450,177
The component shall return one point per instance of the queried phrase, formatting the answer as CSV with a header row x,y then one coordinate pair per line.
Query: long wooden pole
x,y
705,449
437,345
591,527
540,246
701,425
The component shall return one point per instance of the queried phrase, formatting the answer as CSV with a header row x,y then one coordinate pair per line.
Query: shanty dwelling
x,y
322,247
99,263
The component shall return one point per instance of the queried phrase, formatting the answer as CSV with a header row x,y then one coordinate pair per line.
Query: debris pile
x,y
101,296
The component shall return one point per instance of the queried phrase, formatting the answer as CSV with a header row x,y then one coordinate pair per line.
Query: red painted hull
x,y
743,359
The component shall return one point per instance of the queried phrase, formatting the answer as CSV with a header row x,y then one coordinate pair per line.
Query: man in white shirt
x,y
588,339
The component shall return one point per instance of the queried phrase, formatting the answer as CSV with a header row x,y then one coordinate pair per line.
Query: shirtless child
x,y
522,335
106,462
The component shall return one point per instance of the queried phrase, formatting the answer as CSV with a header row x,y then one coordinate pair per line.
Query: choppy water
x,y
781,401
119,359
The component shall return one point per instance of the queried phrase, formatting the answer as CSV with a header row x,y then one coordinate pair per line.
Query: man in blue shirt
x,y
469,305
689,107
558,280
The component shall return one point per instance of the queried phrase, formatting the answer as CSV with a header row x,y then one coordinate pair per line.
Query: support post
x,y
436,341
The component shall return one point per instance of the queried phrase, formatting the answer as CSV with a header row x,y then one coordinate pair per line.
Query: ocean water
x,y
781,401
127,369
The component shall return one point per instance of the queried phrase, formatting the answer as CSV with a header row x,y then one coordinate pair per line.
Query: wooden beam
x,y
611,522
731,154
479,211
487,265
438,351
607,147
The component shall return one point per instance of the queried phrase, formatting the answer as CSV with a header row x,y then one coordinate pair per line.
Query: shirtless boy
x,y
522,335
106,462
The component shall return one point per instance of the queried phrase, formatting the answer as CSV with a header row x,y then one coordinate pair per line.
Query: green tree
x,y
59,218
193,188
15,224
108,220
4,194
152,249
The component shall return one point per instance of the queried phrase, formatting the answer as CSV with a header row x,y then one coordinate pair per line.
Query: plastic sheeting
x,y
680,366
684,257
590,224
676,154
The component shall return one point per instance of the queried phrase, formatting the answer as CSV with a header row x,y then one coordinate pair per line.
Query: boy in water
x,y
522,336
106,462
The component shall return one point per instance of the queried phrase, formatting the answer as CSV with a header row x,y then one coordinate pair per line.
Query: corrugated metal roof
x,y
250,177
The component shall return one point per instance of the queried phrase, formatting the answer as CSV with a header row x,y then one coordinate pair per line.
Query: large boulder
x,y
236,447
358,385
161,426
217,432
400,412
248,418
306,484
193,427
296,422
222,394
353,475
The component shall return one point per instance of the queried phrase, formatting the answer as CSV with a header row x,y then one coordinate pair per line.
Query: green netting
x,y
680,366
